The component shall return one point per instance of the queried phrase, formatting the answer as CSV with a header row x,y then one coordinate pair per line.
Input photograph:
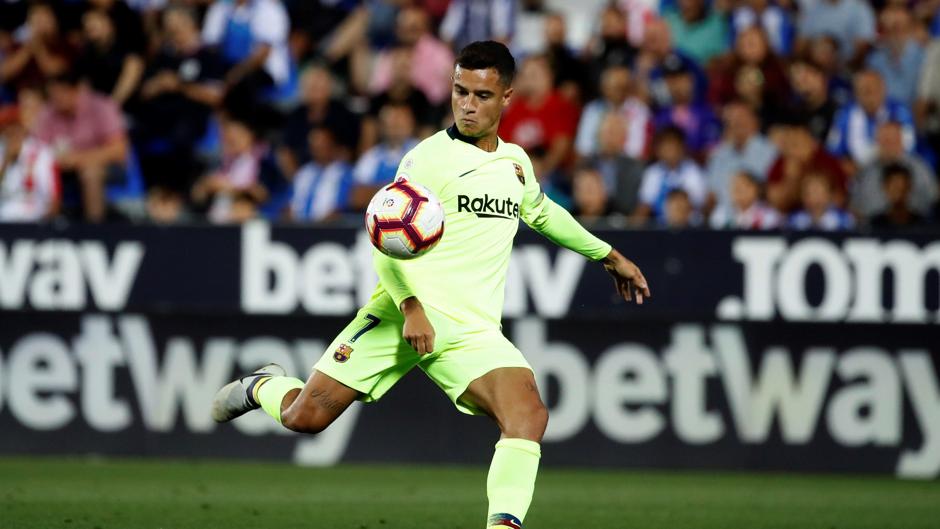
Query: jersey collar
x,y
456,135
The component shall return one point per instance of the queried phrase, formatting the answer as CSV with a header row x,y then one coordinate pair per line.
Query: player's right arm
x,y
417,329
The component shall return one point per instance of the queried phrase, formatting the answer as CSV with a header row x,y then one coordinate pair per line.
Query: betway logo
x,y
51,382
633,394
488,208
853,280
58,274
333,279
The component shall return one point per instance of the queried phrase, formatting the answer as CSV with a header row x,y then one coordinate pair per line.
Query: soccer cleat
x,y
235,400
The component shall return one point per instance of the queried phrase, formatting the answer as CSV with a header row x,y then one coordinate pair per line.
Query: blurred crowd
x,y
744,114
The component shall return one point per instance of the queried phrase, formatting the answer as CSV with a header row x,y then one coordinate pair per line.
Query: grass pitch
x,y
41,493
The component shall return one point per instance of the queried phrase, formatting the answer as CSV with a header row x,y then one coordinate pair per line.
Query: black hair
x,y
895,169
71,77
670,132
485,54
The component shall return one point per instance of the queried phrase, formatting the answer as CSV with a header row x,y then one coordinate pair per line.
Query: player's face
x,y
478,99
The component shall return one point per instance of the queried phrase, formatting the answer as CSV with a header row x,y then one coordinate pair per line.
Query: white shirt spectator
x,y
268,22
659,180
757,217
241,173
30,185
639,127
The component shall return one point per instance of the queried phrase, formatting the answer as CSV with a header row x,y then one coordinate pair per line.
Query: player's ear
x,y
507,96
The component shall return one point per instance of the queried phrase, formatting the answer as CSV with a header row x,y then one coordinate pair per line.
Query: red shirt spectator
x,y
539,119
800,154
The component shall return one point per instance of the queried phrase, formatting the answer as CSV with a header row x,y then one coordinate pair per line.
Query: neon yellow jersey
x,y
484,194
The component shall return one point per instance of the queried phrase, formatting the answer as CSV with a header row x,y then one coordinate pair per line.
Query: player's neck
x,y
488,142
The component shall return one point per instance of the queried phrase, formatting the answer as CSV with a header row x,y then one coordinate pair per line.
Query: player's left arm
x,y
555,223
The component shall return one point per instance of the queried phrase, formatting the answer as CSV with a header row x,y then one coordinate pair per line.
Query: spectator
x,y
743,148
29,180
751,51
43,54
589,194
431,72
610,47
321,187
701,32
240,172
819,211
672,170
867,196
656,53
182,86
801,153
468,21
539,119
620,173
776,22
617,95
166,205
811,97
744,210
896,184
252,38
88,135
898,56
852,136
851,22
570,74
127,23
318,106
379,164
680,213
927,107
109,67
400,91
696,119
824,52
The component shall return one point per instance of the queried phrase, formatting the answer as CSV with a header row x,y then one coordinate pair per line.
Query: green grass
x,y
40,493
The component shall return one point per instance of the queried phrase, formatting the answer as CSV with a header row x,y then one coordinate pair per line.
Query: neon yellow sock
x,y
270,393
511,482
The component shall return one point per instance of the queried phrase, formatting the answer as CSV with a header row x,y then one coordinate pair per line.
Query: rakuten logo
x,y
487,207
853,280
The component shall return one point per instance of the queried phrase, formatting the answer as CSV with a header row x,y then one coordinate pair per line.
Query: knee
x,y
304,420
91,175
526,422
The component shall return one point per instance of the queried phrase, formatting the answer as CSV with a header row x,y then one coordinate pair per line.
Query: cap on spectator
x,y
9,115
674,65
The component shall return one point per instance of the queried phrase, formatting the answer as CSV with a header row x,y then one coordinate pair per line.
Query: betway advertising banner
x,y
757,351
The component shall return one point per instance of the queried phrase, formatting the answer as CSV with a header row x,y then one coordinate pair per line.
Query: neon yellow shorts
x,y
370,355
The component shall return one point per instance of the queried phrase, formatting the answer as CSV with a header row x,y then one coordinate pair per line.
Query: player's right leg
x,y
306,408
364,361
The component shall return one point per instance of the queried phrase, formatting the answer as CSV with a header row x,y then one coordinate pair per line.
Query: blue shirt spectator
x,y
699,31
321,187
851,22
241,28
776,22
467,21
898,56
853,130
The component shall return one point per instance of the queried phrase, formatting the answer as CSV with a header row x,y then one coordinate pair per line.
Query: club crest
x,y
519,173
342,353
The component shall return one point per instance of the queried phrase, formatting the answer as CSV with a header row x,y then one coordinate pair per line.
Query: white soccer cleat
x,y
235,400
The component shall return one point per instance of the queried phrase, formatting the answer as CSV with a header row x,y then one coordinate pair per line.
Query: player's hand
x,y
418,330
628,280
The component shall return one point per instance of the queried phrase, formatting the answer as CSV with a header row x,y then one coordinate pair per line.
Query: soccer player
x,y
441,312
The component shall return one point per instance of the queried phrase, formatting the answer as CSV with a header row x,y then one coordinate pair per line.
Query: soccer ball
x,y
405,220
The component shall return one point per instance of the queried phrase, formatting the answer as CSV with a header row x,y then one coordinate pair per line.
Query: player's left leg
x,y
484,374
510,396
